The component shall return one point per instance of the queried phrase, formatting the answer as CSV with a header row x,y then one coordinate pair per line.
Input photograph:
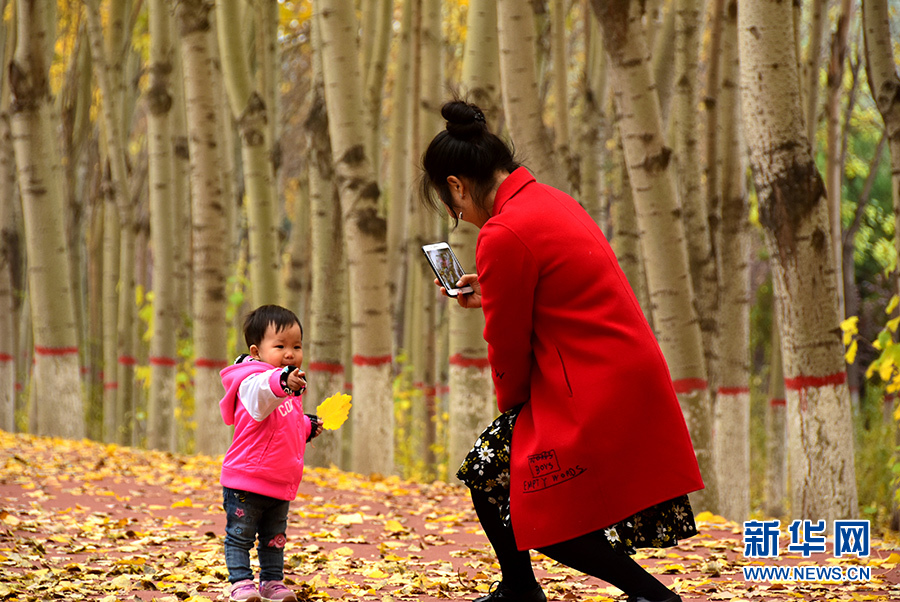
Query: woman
x,y
591,457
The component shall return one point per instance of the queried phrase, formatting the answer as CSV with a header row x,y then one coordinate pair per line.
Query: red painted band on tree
x,y
163,361
330,367
689,385
810,382
470,362
364,360
733,390
55,350
208,363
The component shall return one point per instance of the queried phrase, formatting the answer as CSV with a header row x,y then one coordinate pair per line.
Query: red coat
x,y
602,435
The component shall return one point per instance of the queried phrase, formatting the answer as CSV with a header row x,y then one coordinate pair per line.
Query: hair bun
x,y
464,120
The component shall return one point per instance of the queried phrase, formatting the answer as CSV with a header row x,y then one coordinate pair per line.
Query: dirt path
x,y
84,521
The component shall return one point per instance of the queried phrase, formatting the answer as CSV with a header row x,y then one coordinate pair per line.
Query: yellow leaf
x,y
394,526
895,300
334,411
850,356
185,503
343,551
850,328
709,517
375,574
894,558
349,519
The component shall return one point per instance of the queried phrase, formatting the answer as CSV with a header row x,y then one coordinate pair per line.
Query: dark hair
x,y
257,322
467,149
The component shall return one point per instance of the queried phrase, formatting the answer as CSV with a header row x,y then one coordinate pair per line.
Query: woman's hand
x,y
470,300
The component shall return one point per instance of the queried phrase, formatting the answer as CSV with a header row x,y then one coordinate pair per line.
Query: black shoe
x,y
673,598
504,593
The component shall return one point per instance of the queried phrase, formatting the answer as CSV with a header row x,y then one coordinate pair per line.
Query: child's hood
x,y
232,377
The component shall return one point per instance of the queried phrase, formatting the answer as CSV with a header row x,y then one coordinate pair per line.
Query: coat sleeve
x,y
508,274
261,393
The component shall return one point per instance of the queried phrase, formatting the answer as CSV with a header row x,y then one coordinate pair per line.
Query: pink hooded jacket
x,y
270,431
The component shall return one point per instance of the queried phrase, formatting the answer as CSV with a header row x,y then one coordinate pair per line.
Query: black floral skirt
x,y
486,468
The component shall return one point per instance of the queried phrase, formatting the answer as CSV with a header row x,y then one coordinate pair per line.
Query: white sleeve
x,y
257,396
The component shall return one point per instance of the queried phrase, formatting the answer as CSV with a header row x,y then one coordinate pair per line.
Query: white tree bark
x,y
208,225
56,383
163,356
471,404
732,415
8,259
521,98
328,294
366,242
250,111
794,214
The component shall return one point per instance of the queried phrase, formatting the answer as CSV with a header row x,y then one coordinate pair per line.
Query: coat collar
x,y
513,183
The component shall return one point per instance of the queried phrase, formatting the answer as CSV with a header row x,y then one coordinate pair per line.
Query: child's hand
x,y
315,427
296,381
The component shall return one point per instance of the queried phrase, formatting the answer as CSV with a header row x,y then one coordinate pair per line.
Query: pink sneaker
x,y
244,591
275,591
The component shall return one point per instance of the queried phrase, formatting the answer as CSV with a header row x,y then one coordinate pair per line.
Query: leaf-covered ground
x,y
85,521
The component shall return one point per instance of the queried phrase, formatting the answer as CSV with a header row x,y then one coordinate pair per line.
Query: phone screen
x,y
446,267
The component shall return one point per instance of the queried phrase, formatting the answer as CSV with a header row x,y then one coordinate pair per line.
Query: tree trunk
x,y
430,122
521,97
163,352
8,259
834,170
687,154
374,77
818,19
366,242
327,306
732,413
794,215
56,384
884,81
250,111
662,231
208,225
401,166
776,430
471,404
111,258
559,57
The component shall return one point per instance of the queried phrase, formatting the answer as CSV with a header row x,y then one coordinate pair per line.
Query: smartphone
x,y
446,267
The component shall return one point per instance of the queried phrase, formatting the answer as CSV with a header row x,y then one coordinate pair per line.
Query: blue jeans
x,y
250,514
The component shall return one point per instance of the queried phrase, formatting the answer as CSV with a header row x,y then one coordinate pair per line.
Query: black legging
x,y
591,554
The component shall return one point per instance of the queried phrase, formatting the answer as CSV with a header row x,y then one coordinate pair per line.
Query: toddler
x,y
263,466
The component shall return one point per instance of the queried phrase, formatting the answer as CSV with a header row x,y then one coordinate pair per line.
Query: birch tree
x,y
732,413
327,306
687,155
163,356
8,248
521,98
366,245
662,232
251,113
56,382
208,224
794,215
117,425
471,391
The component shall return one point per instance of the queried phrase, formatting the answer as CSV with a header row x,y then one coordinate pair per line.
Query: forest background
x,y
168,165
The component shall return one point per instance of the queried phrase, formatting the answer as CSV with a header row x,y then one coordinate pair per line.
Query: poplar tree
x,y
794,214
